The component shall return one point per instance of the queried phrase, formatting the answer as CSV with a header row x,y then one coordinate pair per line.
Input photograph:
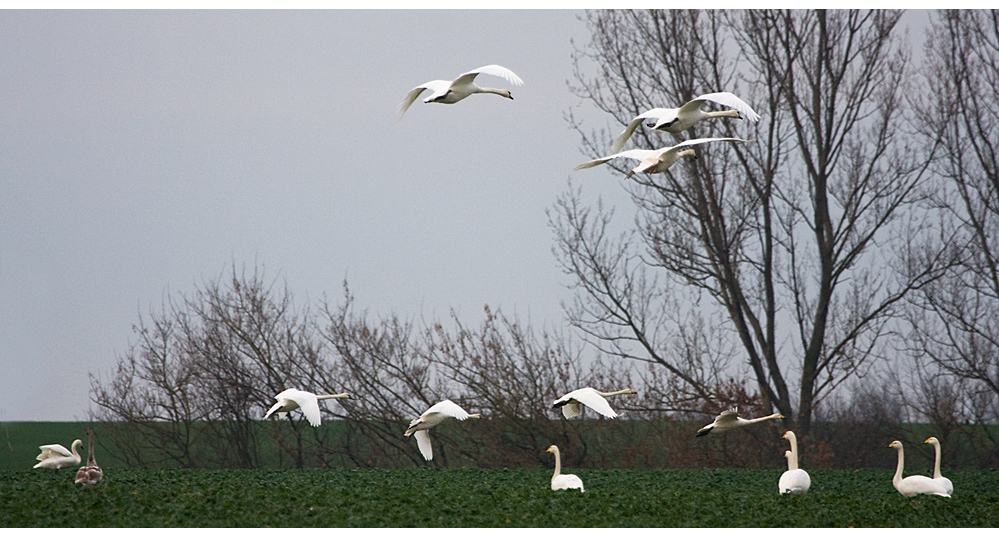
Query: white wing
x,y
696,141
435,86
571,410
727,417
309,405
730,100
594,401
640,154
423,441
448,408
53,451
657,113
492,69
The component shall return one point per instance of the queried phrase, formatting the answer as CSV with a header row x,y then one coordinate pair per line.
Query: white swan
x,y
794,480
291,399
676,120
563,481
56,456
592,398
452,91
730,419
657,160
914,484
439,412
937,477
90,474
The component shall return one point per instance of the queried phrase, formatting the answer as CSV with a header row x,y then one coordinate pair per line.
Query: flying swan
x,y
56,456
915,484
291,399
729,420
451,91
439,412
563,481
676,120
794,481
937,477
657,160
592,398
91,473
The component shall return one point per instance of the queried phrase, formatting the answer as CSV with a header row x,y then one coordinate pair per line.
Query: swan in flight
x,y
291,399
937,477
794,480
729,420
56,456
452,91
657,160
563,481
91,473
592,398
914,484
439,412
676,120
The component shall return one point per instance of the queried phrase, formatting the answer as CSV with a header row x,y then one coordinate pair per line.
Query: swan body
x,y
56,456
592,398
439,412
451,91
563,481
914,484
91,473
676,120
291,399
937,477
654,161
729,420
794,481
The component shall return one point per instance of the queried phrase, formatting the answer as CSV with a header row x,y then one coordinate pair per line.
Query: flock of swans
x,y
672,120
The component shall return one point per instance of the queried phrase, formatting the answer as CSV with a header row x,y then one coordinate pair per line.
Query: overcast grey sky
x,y
141,153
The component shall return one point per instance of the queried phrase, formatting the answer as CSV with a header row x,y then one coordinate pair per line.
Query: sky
x,y
144,153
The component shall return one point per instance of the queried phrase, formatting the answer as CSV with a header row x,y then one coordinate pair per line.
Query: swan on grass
x,y
451,91
729,420
91,473
914,484
937,477
291,399
676,120
563,481
439,412
794,481
56,456
654,161
592,398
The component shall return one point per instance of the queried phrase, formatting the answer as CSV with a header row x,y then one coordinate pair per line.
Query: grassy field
x,y
485,498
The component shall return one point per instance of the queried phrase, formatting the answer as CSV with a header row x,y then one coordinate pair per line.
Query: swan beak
x,y
782,416
926,441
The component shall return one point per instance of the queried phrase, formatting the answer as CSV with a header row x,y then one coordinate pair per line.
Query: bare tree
x,y
784,232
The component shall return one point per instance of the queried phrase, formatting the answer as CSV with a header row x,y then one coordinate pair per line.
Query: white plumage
x,y
653,161
937,476
729,420
676,120
451,91
563,481
56,456
914,484
291,399
439,412
592,398
794,481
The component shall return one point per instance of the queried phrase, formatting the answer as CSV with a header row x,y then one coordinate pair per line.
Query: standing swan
x,y
56,456
594,399
676,120
90,474
729,420
291,399
937,477
915,484
563,481
794,480
439,412
657,160
452,91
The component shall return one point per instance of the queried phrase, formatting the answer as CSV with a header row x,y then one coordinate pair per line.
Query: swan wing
x,y
727,417
435,86
594,401
567,481
448,409
633,124
916,484
423,441
571,410
728,99
794,482
696,141
492,69
640,154
309,404
53,451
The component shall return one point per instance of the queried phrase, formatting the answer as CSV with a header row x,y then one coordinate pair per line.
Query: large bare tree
x,y
785,235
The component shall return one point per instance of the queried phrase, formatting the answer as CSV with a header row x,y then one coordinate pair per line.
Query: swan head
x,y
552,448
788,433
932,441
787,454
505,93
896,445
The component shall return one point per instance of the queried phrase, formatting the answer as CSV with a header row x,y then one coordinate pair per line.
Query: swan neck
x,y
615,393
761,419
558,464
497,91
724,114
901,464
936,463
792,462
330,396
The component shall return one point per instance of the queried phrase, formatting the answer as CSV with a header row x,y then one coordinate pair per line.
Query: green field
x,y
430,497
